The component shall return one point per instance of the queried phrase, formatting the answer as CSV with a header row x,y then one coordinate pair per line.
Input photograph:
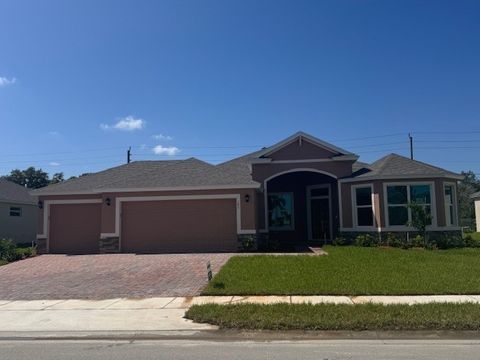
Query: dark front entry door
x,y
318,209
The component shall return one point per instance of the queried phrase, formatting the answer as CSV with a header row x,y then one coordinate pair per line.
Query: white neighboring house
x,y
18,213
476,198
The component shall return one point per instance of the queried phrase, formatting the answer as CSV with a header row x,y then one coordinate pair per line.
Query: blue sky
x,y
80,81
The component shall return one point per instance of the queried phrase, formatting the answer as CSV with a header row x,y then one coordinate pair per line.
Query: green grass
x,y
3,262
352,271
339,317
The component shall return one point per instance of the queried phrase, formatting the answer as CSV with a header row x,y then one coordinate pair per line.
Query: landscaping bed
x,y
349,270
339,317
10,252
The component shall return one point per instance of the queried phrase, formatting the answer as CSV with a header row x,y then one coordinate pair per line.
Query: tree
x,y
420,219
57,178
30,177
466,187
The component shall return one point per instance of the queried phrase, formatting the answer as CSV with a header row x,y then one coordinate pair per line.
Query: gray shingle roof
x,y
476,195
152,174
11,192
397,165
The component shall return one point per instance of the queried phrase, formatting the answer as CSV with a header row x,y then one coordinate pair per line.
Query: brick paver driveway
x,y
107,276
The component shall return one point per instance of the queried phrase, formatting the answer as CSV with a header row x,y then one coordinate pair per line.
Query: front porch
x,y
301,207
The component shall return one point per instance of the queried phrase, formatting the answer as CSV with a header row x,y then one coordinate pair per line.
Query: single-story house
x,y
476,199
18,213
299,190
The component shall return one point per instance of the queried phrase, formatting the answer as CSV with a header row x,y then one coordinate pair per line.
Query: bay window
x,y
398,198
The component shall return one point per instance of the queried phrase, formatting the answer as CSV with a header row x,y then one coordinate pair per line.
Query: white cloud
x,y
53,163
5,81
162,150
128,123
162,137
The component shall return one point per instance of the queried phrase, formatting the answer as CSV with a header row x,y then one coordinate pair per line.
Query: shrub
x,y
25,252
471,241
366,240
445,241
395,240
7,250
340,241
418,241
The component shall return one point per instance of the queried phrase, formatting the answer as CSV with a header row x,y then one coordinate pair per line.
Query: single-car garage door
x,y
179,226
74,228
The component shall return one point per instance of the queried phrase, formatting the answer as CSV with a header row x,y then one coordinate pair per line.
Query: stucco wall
x,y
379,203
305,150
20,229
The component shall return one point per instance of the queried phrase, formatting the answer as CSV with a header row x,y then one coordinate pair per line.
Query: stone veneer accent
x,y
109,245
41,246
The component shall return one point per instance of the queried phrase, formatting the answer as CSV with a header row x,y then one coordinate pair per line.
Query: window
x,y
450,215
398,198
280,211
15,211
363,206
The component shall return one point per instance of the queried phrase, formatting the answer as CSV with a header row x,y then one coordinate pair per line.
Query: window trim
x,y
455,204
355,206
285,228
20,211
433,204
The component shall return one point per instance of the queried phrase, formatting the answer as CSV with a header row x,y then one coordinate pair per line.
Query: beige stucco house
x,y
18,213
300,190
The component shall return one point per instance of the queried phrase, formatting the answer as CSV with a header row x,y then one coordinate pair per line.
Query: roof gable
x,y
303,146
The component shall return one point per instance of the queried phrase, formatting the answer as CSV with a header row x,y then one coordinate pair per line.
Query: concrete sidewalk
x,y
407,299
159,314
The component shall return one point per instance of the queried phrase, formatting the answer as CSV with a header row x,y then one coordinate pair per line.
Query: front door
x,y
319,212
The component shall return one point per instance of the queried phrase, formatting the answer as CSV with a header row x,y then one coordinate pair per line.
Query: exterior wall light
x,y
108,201
247,198
40,204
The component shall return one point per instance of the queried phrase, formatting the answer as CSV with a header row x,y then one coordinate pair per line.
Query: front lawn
x,y
3,262
352,271
339,317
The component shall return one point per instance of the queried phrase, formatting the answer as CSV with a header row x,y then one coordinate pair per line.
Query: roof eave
x,y
156,189
403,177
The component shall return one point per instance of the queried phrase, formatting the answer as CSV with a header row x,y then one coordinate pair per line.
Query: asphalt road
x,y
183,349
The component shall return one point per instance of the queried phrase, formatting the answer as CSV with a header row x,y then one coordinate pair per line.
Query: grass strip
x,y
433,316
352,271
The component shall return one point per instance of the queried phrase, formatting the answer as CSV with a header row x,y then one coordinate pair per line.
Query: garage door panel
x,y
179,226
74,228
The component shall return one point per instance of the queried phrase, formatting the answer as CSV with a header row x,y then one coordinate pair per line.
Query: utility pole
x,y
129,154
411,145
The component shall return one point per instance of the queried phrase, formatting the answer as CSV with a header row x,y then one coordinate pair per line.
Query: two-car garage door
x,y
167,226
